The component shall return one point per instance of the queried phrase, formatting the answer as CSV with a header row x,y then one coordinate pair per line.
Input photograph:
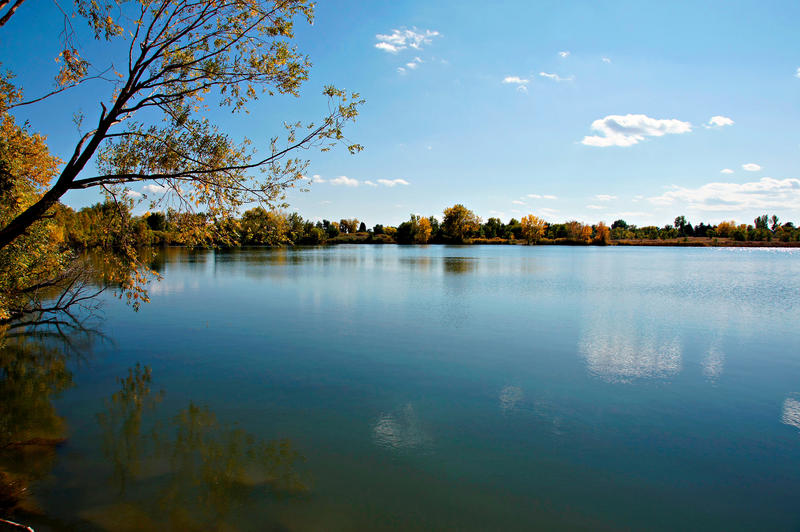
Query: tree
x,y
492,228
460,222
424,230
533,228
260,226
362,228
348,226
725,228
602,233
34,267
150,128
774,223
619,224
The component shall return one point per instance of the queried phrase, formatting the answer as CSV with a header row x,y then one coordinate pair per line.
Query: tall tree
x,y
150,126
533,228
459,222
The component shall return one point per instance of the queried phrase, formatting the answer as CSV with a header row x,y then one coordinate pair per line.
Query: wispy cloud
x,y
393,182
595,207
555,77
726,171
751,167
154,189
605,60
344,181
133,194
766,193
518,202
605,197
797,74
370,184
718,121
627,130
414,63
542,196
402,39
521,83
564,54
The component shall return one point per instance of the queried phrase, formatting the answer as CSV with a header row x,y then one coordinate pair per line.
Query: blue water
x,y
469,388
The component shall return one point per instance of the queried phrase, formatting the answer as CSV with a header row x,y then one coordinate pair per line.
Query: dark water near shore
x,y
469,388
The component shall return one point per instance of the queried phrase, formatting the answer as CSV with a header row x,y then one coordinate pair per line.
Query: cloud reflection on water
x,y
623,349
791,412
510,396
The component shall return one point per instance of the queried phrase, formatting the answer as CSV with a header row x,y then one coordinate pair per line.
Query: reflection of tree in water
x,y
459,265
32,374
191,473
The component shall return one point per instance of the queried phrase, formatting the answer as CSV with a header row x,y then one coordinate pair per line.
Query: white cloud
x,y
133,194
542,196
555,77
726,171
154,189
401,70
403,39
392,182
797,74
344,180
627,130
414,63
518,202
370,184
766,193
606,60
564,54
595,207
521,83
535,196
316,178
605,197
751,167
719,121
548,196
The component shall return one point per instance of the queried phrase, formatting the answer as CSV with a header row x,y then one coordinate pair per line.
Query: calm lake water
x,y
434,387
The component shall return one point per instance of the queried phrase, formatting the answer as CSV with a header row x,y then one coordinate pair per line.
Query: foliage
x,y
532,228
459,223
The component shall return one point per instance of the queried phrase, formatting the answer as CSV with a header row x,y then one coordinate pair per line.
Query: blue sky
x,y
570,110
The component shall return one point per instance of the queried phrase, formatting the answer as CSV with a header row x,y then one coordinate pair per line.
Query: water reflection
x,y
33,372
713,363
624,346
791,411
459,265
401,430
193,472
510,396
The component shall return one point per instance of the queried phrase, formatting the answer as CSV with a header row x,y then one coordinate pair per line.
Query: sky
x,y
584,110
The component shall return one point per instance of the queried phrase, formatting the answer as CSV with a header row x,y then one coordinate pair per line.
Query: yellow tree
x,y
725,228
31,266
424,229
586,233
459,222
533,228
602,233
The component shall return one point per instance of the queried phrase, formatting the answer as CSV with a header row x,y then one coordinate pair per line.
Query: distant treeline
x,y
105,224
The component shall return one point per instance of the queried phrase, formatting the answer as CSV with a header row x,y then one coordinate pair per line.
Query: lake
x,y
427,387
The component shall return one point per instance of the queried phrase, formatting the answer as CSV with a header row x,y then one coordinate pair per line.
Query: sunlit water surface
x,y
469,388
